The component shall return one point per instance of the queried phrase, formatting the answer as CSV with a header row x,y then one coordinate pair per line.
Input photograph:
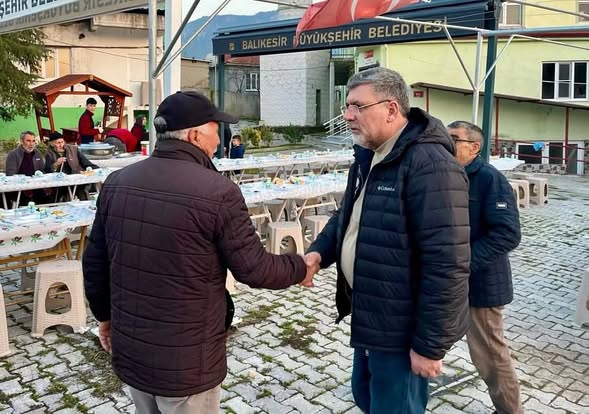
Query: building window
x,y
253,82
583,8
57,64
565,80
511,14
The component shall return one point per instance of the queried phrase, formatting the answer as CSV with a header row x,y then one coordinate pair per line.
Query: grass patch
x,y
4,399
101,379
266,358
257,315
56,388
264,393
297,334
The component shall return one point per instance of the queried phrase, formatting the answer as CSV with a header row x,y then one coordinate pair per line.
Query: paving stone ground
x,y
287,355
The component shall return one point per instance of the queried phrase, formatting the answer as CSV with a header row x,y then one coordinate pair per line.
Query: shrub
x,y
293,134
267,135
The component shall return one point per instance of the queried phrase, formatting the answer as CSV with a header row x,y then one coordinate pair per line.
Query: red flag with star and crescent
x,y
331,13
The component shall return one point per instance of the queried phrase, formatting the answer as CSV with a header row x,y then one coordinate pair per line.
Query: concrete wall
x,y
112,47
518,121
243,105
519,71
195,75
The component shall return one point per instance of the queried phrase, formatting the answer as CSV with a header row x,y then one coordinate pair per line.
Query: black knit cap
x,y
91,101
189,109
55,135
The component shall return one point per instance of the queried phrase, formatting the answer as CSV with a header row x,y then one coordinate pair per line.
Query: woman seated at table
x,y
68,159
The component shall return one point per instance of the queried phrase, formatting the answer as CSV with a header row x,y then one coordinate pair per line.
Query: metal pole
x,y
170,46
152,35
200,29
476,82
282,3
221,101
172,75
472,84
331,94
489,94
491,17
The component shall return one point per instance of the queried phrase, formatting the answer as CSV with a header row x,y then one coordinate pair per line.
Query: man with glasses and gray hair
x,y
401,244
494,232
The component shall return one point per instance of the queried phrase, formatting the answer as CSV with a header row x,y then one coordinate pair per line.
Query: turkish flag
x,y
332,13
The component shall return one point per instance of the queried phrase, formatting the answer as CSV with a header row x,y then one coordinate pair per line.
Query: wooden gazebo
x,y
112,96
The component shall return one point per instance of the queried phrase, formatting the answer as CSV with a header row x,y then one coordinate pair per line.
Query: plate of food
x,y
58,213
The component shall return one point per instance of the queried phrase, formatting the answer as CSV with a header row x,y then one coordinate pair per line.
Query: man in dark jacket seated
x,y
401,244
156,264
26,159
494,232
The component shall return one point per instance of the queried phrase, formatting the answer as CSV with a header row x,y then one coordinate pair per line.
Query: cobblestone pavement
x,y
287,355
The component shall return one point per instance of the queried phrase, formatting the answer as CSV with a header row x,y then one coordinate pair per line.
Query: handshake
x,y
313,262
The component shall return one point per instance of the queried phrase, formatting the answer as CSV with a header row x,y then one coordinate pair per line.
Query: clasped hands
x,y
313,263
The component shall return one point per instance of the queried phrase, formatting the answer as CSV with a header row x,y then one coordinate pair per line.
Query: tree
x,y
21,55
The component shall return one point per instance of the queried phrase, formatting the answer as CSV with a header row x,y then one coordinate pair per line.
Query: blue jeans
x,y
383,383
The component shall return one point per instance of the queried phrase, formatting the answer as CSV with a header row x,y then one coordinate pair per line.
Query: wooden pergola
x,y
112,96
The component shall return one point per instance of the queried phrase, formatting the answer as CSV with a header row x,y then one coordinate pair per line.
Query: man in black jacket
x,y
400,241
166,231
494,232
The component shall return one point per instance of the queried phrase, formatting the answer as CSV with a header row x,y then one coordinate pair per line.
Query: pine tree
x,y
21,54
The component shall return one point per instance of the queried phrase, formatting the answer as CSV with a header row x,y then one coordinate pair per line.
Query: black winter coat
x,y
494,232
412,254
165,232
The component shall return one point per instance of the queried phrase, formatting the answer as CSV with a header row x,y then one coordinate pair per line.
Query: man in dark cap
x,y
166,231
66,158
86,129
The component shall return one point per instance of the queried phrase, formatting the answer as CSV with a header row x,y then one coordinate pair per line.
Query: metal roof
x,y
500,95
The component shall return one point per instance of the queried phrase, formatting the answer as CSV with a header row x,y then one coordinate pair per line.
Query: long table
x,y
20,183
20,234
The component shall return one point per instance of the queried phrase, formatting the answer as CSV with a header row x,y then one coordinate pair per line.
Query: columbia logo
x,y
385,188
501,205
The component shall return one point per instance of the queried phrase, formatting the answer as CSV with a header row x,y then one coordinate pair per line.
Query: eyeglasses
x,y
355,109
456,139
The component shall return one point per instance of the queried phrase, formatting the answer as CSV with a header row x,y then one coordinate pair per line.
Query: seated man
x,y
26,159
66,158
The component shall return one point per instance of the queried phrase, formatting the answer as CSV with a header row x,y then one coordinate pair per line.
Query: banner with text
x,y
16,15
280,37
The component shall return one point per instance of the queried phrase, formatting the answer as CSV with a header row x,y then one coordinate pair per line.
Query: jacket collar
x,y
474,165
182,150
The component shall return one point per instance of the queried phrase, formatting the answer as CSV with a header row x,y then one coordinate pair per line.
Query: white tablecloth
x,y
283,160
119,162
28,236
22,183
505,164
266,161
313,187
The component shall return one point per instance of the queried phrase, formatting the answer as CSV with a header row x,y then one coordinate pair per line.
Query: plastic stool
x,y
523,192
315,224
582,313
538,188
4,347
279,230
68,272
